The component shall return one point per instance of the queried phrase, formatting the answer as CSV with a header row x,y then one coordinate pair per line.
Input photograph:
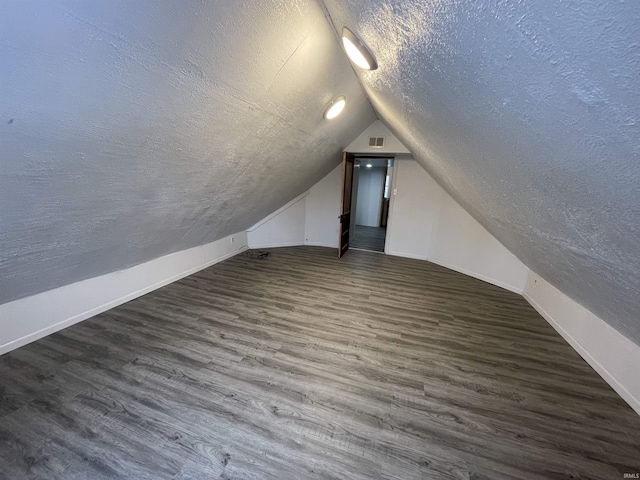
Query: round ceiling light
x,y
335,108
357,51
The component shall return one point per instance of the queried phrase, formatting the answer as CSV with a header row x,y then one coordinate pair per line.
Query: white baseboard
x,y
274,245
22,321
320,244
28,319
292,244
479,276
408,255
611,354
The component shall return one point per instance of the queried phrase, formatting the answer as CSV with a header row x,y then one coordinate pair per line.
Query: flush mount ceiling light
x,y
369,165
357,51
335,108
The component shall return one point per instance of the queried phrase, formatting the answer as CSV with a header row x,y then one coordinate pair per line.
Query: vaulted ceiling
x,y
528,113
129,130
132,129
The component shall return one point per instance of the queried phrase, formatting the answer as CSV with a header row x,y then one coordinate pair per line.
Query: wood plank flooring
x,y
369,238
305,366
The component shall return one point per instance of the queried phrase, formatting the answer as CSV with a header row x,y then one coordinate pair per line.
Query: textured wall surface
x,y
132,129
528,114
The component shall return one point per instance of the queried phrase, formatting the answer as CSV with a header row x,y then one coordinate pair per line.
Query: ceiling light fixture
x,y
357,51
369,165
335,108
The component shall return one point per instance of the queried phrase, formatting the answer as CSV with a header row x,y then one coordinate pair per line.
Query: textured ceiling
x,y
528,114
129,130
132,129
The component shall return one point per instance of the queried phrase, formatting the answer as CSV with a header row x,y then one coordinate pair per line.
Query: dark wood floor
x,y
305,366
369,238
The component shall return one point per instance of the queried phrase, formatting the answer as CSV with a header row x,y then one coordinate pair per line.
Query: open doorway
x,y
370,202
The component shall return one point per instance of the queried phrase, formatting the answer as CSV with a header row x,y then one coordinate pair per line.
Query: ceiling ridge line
x,y
329,18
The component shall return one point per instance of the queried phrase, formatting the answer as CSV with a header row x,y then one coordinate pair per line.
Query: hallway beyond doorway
x,y
369,238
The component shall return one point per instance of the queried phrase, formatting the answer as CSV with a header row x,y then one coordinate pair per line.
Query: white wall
x,y
370,189
611,354
283,228
309,219
426,223
377,129
28,319
322,225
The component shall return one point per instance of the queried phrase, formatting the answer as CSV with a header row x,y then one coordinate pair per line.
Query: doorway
x,y
370,203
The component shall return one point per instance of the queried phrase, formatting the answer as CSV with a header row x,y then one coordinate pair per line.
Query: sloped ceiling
x,y
132,129
528,114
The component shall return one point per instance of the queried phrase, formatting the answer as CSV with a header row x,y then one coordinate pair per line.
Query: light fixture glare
x,y
357,51
335,108
354,54
369,165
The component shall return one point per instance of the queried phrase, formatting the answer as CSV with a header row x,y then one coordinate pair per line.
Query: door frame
x,y
392,200
348,165
355,155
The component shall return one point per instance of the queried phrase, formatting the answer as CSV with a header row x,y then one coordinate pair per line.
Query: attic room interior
x,y
319,239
